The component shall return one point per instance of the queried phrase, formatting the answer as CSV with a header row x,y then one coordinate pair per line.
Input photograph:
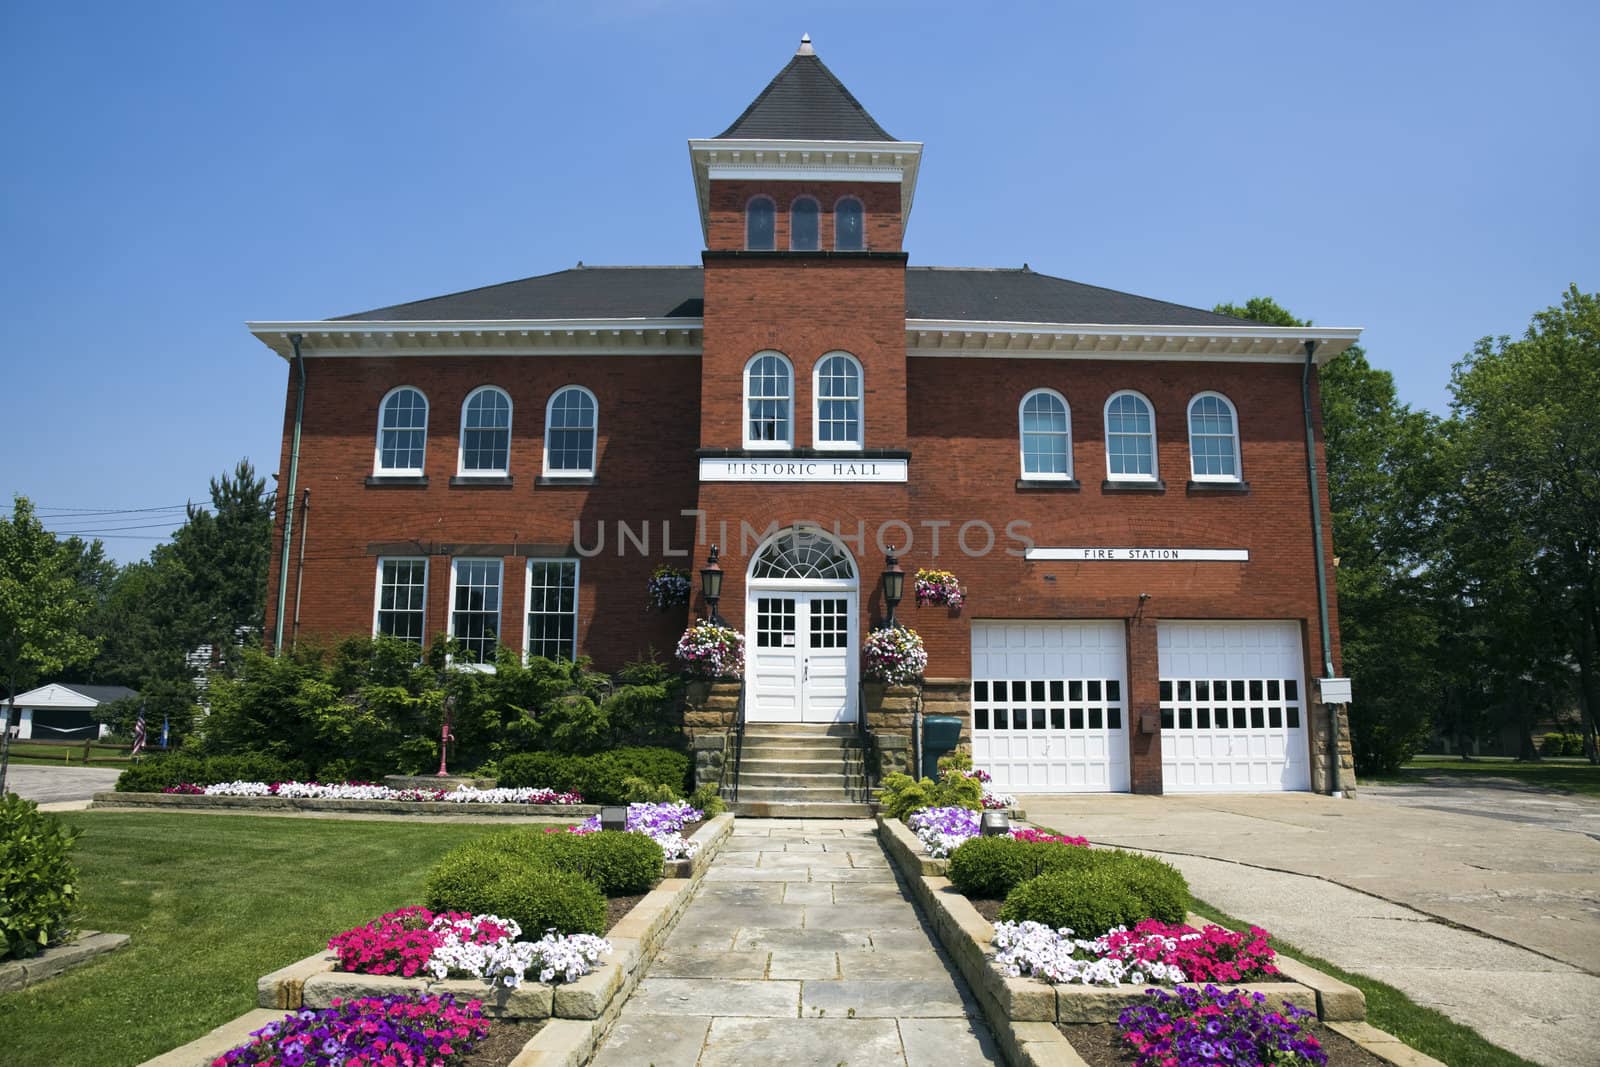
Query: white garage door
x,y
1233,714
1048,706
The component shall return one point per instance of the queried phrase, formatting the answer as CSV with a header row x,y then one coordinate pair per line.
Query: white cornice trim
x,y
1049,340
873,161
595,337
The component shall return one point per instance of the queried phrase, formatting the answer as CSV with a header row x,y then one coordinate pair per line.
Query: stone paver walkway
x,y
800,948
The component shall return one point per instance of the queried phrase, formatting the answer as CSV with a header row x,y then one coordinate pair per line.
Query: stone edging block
x,y
1384,1045
89,944
907,850
193,802
203,1050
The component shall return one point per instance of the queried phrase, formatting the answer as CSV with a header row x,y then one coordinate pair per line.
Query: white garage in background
x,y
1233,710
1049,712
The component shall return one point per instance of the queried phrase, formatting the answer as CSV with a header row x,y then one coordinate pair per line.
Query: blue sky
x,y
173,169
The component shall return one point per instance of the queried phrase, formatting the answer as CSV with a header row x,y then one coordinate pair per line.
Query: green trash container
x,y
940,734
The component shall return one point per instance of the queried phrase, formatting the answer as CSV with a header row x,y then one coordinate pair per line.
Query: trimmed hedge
x,y
538,897
599,778
991,867
156,773
1112,888
38,883
619,863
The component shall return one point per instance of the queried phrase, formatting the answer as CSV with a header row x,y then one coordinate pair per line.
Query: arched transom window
x,y
1046,427
402,431
1130,438
759,220
849,231
769,402
570,425
805,234
486,432
1213,439
803,554
838,402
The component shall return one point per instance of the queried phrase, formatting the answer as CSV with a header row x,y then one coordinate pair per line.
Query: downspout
x,y
300,565
1316,539
288,510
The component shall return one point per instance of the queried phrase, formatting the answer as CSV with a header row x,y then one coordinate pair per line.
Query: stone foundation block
x,y
18,974
284,988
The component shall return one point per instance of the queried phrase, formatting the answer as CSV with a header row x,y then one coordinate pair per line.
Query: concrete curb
x,y
578,1013
1384,1045
88,945
192,802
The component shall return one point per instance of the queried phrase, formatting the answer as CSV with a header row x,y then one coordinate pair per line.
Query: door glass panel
x,y
775,622
830,622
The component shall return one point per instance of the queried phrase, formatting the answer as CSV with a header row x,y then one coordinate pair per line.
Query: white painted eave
x,y
897,161
678,336
1054,340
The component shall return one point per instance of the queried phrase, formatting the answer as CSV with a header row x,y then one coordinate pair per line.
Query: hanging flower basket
x,y
894,655
938,587
669,587
707,650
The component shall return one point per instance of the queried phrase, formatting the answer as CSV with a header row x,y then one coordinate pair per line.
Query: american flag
x,y
138,732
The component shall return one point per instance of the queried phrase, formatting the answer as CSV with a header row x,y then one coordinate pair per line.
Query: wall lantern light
x,y
711,585
894,586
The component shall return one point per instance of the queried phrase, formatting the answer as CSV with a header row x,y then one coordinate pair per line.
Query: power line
x,y
87,530
88,512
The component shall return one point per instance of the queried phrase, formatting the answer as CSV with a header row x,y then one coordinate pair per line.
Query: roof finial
x,y
805,48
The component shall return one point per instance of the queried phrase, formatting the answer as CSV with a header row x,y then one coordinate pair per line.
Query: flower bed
x,y
663,823
370,791
399,1030
942,830
1193,1027
1152,951
415,941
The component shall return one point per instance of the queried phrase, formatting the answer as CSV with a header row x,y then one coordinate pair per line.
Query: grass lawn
x,y
213,902
1567,775
1424,1029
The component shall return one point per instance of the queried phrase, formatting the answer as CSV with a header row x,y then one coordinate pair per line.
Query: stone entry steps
x,y
803,770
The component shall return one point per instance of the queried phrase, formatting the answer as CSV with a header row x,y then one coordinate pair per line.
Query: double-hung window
x,y
402,599
838,402
1046,426
769,402
475,586
1130,438
486,433
553,608
570,426
402,432
1213,439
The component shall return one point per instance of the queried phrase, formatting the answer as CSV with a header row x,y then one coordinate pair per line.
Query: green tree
x,y
222,555
43,608
1383,471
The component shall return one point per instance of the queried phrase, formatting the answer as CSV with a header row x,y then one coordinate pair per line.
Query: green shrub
x,y
618,862
1104,888
537,896
38,883
599,777
1554,744
991,867
708,798
158,772
901,794
636,790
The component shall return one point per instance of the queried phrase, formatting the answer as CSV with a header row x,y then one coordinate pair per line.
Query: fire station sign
x,y
1109,554
779,471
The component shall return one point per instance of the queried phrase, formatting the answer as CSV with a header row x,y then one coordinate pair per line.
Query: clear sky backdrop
x,y
170,170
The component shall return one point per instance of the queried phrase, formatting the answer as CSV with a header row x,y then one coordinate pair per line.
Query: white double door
x,y
800,655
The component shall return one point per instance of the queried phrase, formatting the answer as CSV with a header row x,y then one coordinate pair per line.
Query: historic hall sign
x,y
776,471
1107,553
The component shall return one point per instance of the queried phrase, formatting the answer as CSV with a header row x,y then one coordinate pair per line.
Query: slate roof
x,y
806,102
958,293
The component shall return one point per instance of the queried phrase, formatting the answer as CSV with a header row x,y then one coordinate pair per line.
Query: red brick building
x,y
1120,484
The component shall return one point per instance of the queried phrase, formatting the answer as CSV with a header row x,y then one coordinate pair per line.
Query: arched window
x,y
836,419
849,225
1213,439
1046,426
486,432
571,422
402,431
768,402
1130,438
759,220
804,234
803,554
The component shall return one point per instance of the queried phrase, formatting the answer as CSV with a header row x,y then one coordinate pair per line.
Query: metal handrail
x,y
738,740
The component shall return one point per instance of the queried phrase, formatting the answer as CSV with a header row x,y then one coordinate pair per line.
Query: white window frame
x,y
817,205
1155,445
1022,438
461,436
860,398
761,445
856,200
450,616
377,451
377,595
527,599
1238,459
748,204
594,430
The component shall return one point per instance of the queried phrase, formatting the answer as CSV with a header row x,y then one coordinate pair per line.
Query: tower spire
x,y
805,48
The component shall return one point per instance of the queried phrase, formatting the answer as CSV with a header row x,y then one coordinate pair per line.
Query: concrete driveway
x,y
54,785
1486,908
